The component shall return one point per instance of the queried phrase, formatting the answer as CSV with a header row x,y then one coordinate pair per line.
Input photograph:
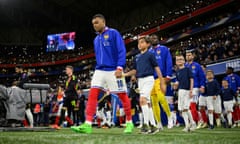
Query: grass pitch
x,y
116,136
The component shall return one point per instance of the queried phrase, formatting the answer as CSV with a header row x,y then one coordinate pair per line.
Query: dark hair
x,y
190,51
204,65
154,35
230,68
98,16
145,37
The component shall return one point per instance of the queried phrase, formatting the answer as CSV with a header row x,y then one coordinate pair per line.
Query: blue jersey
x,y
164,60
110,50
198,74
169,91
183,77
234,81
212,88
145,64
227,94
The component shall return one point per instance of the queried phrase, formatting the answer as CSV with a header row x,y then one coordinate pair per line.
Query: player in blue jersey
x,y
198,86
110,53
228,95
212,91
144,66
164,60
184,84
234,83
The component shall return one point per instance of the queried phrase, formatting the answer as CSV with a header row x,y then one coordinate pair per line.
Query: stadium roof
x,y
29,21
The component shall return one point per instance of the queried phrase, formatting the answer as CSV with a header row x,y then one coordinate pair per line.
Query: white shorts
x,y
203,100
214,104
183,99
217,105
210,103
195,94
145,86
107,80
228,105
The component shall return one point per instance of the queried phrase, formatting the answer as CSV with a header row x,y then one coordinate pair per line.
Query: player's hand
x,y
163,86
214,97
190,94
167,80
175,86
133,78
118,73
202,89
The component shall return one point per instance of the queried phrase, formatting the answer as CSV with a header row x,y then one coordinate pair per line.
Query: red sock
x,y
204,115
69,120
237,109
216,116
99,122
126,105
193,108
235,114
57,120
92,103
25,123
121,119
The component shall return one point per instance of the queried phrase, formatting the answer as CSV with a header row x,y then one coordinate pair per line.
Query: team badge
x,y
193,67
158,52
106,36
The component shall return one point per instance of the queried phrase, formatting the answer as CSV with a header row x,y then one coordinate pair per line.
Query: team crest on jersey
x,y
193,67
158,52
106,36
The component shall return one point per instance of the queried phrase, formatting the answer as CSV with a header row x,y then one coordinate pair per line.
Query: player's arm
x,y
191,82
238,84
202,79
218,90
130,73
121,51
169,66
191,87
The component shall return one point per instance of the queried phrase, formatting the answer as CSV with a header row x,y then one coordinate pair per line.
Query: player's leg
x,y
119,87
162,99
96,85
183,106
29,115
217,106
155,102
145,86
210,111
228,105
172,117
193,104
202,105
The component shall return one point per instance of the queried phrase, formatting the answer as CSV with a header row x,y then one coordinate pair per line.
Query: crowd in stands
x,y
210,47
171,15
36,54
